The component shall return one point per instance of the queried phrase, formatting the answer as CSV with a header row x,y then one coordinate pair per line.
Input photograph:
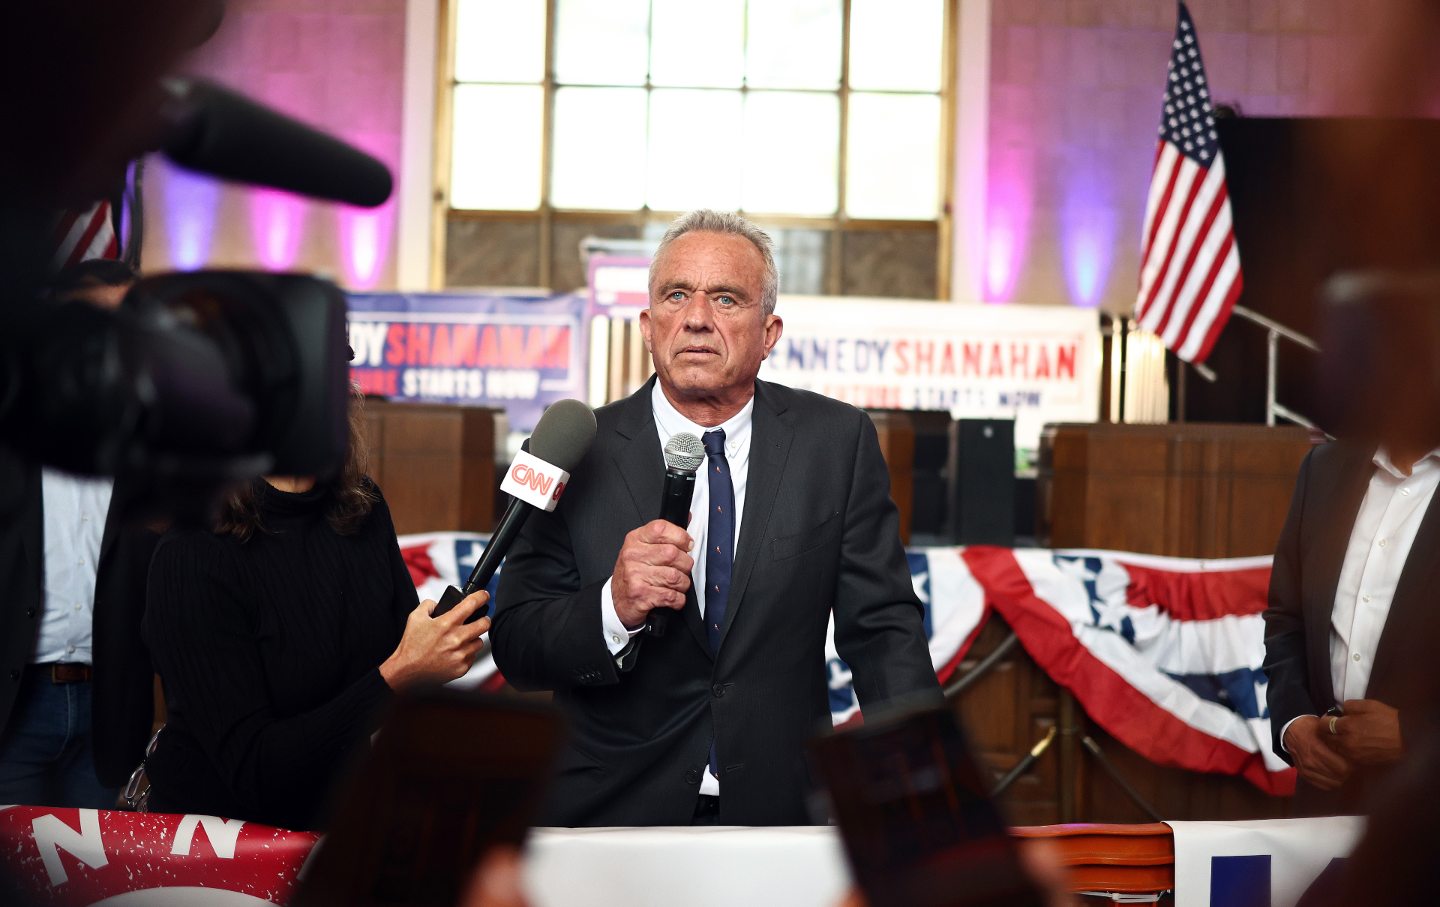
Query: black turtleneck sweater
x,y
269,652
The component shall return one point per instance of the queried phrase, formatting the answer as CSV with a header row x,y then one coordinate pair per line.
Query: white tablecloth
x,y
801,866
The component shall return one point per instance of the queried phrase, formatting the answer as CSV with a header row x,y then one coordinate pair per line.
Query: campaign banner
x,y
517,353
1262,863
1033,364
619,285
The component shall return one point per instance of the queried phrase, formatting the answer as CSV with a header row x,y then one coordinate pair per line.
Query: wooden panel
x,y
1014,705
1192,490
435,463
1006,712
897,446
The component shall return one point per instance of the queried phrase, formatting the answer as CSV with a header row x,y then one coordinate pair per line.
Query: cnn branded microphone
x,y
683,455
534,480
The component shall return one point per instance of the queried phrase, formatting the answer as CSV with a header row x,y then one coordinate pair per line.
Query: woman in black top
x,y
277,637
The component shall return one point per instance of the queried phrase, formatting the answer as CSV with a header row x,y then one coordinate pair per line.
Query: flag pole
x,y
1180,390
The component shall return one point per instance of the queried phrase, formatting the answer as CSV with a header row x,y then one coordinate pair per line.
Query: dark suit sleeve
x,y
879,623
547,630
1287,692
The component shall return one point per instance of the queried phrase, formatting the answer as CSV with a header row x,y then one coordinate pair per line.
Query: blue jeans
x,y
46,757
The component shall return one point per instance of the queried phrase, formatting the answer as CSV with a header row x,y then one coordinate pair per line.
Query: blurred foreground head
x,y
1380,365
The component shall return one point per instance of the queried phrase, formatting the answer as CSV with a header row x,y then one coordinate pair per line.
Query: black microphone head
x,y
564,434
684,453
214,130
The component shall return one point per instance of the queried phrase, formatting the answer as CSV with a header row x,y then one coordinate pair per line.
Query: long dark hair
x,y
350,494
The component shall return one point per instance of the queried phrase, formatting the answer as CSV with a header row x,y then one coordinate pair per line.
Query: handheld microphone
x,y
683,455
535,479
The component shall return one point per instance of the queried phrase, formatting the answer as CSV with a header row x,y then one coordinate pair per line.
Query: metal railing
x,y
1275,331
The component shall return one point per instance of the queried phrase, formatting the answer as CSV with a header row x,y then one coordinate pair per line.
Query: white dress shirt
x,y
1385,528
1380,541
74,510
668,423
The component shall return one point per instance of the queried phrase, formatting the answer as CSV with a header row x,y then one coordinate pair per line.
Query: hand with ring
x,y
1315,752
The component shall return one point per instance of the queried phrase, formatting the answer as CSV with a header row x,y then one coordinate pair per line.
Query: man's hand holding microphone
x,y
652,572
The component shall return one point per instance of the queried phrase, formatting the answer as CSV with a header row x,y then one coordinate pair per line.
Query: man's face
x,y
706,328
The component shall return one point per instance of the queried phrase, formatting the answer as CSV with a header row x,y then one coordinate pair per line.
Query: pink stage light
x,y
1007,228
999,263
365,238
276,219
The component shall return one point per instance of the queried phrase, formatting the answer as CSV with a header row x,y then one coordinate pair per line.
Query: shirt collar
x,y
1382,461
670,422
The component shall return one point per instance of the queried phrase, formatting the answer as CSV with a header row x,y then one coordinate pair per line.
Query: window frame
x,y
836,226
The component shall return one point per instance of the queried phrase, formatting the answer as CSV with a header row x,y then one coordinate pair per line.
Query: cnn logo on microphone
x,y
532,480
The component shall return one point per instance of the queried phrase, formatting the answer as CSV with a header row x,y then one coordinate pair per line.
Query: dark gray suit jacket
x,y
819,531
1328,493
123,703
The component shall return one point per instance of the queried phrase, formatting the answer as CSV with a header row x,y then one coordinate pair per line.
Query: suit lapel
x,y
770,440
641,466
32,538
114,523
1336,524
1412,609
637,454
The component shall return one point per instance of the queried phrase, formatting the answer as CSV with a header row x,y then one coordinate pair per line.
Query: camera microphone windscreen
x,y
216,131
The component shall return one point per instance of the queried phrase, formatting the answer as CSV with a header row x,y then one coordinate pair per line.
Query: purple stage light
x,y
190,202
1087,245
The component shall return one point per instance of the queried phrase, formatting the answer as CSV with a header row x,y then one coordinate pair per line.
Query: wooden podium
x,y
435,463
1185,490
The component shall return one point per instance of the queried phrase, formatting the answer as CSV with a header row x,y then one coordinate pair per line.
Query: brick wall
x,y
1075,93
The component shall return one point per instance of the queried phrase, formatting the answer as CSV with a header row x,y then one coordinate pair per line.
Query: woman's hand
x,y
437,649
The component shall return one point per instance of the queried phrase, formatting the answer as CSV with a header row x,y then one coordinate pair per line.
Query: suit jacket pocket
x,y
788,546
573,760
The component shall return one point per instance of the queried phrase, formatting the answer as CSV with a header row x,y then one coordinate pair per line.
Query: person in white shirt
x,y
76,687
1352,632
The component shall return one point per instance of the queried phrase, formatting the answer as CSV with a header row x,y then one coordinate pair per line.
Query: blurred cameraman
x,y
76,700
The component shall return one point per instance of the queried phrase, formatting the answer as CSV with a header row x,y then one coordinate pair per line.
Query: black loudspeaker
x,y
981,479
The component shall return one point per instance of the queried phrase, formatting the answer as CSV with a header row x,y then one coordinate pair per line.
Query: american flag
x,y
1190,267
84,234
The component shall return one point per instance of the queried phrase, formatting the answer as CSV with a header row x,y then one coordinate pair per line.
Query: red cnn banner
x,y
79,857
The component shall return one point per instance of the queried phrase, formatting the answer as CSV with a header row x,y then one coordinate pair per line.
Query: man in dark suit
x,y
1352,628
76,693
791,521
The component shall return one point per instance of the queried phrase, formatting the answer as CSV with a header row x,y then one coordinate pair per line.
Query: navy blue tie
x,y
719,536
